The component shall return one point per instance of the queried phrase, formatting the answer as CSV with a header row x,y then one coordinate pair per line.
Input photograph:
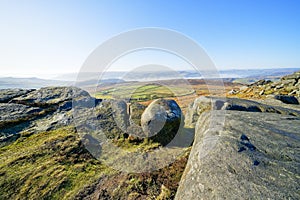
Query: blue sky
x,y
52,37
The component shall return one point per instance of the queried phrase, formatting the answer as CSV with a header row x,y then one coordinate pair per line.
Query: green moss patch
x,y
49,165
55,165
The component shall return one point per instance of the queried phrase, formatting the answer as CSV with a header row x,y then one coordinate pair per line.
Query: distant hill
x,y
188,74
35,83
90,79
29,83
258,73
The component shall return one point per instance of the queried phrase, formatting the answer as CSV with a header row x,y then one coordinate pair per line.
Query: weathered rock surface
x,y
40,110
120,114
203,104
7,94
12,112
51,122
161,120
15,114
109,117
51,96
135,111
255,156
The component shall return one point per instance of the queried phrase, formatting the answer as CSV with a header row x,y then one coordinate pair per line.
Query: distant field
x,y
146,92
143,92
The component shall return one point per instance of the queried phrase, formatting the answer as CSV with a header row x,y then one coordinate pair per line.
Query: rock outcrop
x,y
287,99
50,96
120,114
14,118
39,110
161,120
110,116
135,111
261,82
252,154
203,104
287,85
14,112
49,108
255,156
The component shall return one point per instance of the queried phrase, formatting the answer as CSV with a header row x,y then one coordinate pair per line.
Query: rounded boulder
x,y
161,120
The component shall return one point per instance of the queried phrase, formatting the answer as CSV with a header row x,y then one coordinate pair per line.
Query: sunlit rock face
x,y
254,155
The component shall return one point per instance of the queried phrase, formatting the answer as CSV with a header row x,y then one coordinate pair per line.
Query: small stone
x,y
280,86
233,91
262,92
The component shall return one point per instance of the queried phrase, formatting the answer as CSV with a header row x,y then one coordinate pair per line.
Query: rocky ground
x,y
44,143
287,89
254,156
243,149
51,140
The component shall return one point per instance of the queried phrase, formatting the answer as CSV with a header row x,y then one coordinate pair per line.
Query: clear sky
x,y
56,36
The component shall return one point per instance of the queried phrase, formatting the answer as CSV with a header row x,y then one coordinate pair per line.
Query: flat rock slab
x,y
255,156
